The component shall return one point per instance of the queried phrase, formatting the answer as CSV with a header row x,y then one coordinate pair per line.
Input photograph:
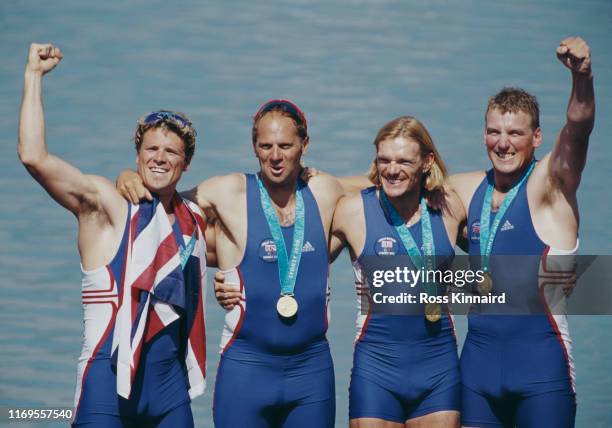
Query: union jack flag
x,y
154,283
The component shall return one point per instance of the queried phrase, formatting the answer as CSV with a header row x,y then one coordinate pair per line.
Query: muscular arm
x,y
208,195
223,202
71,188
454,216
348,227
464,185
327,192
568,157
337,240
216,193
348,184
211,245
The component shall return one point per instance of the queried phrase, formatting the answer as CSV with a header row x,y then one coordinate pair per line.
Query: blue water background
x,y
351,66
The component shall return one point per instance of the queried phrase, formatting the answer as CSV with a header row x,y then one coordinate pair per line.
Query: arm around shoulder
x,y
354,183
217,191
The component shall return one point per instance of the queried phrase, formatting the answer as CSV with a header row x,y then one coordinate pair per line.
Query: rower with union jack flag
x,y
143,266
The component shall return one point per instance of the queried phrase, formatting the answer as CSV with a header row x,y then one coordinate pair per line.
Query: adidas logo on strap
x,y
507,226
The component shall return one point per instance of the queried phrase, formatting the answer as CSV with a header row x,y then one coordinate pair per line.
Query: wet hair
x,y
168,120
285,108
514,100
410,128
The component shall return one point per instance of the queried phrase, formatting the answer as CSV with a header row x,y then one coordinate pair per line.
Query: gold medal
x,y
486,285
433,312
286,306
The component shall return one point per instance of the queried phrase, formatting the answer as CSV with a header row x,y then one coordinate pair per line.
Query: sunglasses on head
x,y
165,115
284,105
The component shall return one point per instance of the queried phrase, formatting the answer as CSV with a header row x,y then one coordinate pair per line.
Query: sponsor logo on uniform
x,y
308,248
474,232
386,246
267,250
507,226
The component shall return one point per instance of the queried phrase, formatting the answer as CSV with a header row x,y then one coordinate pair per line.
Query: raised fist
x,y
575,54
42,58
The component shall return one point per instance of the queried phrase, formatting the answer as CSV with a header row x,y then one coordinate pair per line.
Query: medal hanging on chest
x,y
288,265
488,230
423,258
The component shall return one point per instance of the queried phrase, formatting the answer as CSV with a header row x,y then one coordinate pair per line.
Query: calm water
x,y
351,65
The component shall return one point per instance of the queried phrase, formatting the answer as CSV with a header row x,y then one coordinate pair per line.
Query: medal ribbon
x,y
186,251
428,248
287,266
487,231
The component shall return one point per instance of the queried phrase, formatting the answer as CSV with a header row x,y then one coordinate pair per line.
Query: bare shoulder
x,y
102,182
465,180
541,175
465,184
454,204
223,183
217,189
326,188
348,215
349,205
545,188
323,180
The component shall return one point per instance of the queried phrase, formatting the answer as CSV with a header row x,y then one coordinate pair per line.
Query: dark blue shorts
x,y
397,382
180,416
262,390
524,382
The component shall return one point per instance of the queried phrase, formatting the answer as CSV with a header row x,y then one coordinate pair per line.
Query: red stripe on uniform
x,y
241,318
555,327
109,328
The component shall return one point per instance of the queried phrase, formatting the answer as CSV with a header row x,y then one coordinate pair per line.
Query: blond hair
x,y
410,128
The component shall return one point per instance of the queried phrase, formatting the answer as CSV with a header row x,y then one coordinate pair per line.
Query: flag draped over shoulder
x,y
155,283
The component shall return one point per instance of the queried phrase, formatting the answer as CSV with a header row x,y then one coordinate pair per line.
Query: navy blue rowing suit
x,y
159,395
403,366
276,372
517,370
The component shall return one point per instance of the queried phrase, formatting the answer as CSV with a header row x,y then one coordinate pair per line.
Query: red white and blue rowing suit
x,y
165,336
517,370
276,372
403,365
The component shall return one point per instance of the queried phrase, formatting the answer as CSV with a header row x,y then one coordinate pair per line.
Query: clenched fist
x,y
43,58
575,54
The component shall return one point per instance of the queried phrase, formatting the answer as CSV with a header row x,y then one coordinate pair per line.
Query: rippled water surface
x,y
351,66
